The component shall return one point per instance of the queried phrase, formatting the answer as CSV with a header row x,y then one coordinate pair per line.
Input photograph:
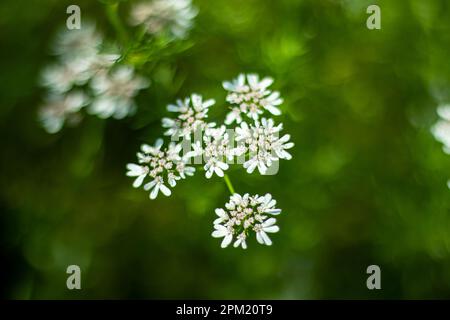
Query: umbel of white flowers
x,y
259,140
84,76
244,215
171,17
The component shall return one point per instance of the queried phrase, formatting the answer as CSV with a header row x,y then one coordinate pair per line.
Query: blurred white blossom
x,y
82,66
191,117
244,215
173,17
62,77
115,91
441,129
83,42
164,168
61,108
250,96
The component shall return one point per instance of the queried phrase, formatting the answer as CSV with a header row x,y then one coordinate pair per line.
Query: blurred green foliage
x,y
367,184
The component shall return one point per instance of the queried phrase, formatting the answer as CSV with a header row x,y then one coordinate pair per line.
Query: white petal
x,y
154,192
253,80
219,233
227,240
134,170
137,183
271,229
266,238
273,110
173,108
269,222
208,103
273,211
149,185
222,165
221,213
208,174
166,191
218,171
259,238
228,86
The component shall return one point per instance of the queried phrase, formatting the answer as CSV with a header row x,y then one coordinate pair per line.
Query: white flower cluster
x,y
172,17
441,129
190,119
85,76
263,144
217,151
247,95
161,166
258,141
244,215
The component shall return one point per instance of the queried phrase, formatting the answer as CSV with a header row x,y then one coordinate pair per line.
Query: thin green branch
x,y
112,11
228,183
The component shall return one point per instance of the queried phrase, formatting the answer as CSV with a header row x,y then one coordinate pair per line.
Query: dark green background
x,y
366,185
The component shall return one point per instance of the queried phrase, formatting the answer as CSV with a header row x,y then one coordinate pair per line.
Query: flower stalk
x,y
112,11
229,184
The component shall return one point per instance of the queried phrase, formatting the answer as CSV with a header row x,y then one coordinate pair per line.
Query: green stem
x,y
112,11
228,183
136,42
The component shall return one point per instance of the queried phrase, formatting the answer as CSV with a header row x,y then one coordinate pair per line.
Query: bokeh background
x,y
367,184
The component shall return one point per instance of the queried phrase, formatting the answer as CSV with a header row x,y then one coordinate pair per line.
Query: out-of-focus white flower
x,y
62,77
115,91
242,216
173,17
162,166
263,144
81,63
77,43
441,129
251,96
61,108
100,63
79,59
192,115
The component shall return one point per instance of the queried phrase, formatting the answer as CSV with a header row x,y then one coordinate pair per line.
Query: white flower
x,y
100,62
173,17
248,95
138,171
62,77
79,59
441,129
161,166
222,231
189,118
61,108
263,144
77,43
244,215
233,115
216,151
115,92
262,229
